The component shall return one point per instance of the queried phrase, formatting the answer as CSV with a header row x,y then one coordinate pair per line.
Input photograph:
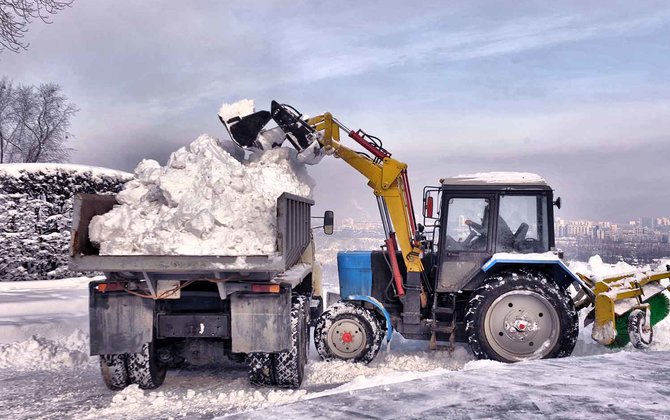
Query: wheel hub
x,y
347,338
521,324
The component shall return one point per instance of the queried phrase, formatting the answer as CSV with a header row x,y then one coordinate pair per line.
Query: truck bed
x,y
293,236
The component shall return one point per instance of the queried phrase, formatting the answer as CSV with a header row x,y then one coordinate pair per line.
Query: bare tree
x,y
34,123
45,115
10,127
16,15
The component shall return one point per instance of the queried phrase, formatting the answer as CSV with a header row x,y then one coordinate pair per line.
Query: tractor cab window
x,y
522,225
467,224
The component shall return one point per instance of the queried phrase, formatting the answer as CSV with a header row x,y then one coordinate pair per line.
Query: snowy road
x,y
45,372
614,386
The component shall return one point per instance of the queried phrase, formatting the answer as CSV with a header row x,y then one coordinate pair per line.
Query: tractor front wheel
x,y
347,331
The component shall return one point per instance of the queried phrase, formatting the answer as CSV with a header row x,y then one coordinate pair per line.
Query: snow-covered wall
x,y
36,203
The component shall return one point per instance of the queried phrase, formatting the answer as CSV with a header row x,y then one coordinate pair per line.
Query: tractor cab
x,y
483,215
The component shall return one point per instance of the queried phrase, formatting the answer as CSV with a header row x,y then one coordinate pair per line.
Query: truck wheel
x,y
114,371
290,365
144,369
641,335
260,369
347,331
521,316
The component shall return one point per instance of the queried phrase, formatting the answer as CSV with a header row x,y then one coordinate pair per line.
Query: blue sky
x,y
576,91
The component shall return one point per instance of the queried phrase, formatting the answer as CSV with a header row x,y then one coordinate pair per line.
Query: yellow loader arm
x,y
388,179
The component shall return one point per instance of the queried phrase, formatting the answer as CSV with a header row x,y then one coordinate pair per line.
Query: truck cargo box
x,y
293,236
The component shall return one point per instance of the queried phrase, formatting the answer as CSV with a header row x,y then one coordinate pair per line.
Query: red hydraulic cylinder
x,y
367,146
393,257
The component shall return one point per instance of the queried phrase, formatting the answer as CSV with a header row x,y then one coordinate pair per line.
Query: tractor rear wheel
x,y
521,315
347,331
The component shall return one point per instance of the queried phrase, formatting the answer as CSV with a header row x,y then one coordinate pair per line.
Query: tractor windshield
x,y
522,226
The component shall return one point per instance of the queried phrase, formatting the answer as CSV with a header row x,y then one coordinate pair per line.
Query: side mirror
x,y
429,206
328,222
557,203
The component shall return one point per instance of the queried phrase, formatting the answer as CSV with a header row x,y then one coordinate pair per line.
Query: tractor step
x,y
448,329
443,311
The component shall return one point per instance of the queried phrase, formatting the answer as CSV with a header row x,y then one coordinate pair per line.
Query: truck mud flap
x,y
119,322
260,322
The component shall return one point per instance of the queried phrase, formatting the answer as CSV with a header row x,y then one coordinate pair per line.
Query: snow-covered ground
x,y
45,370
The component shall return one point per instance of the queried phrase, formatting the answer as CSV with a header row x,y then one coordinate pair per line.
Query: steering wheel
x,y
528,245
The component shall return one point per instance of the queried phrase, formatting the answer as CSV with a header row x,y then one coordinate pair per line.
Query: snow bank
x,y
204,201
19,169
39,353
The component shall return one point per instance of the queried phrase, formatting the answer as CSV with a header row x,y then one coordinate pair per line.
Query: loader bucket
x,y
245,130
298,132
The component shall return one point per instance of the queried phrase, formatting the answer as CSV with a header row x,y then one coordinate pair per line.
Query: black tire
x,y
144,369
260,369
289,366
114,371
641,335
346,331
519,316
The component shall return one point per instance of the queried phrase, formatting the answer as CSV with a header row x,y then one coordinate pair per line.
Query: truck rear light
x,y
265,288
110,287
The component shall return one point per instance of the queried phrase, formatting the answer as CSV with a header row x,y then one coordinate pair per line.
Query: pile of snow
x,y
36,203
596,268
398,363
39,353
205,201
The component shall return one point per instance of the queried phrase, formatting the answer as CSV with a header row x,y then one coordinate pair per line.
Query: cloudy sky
x,y
576,91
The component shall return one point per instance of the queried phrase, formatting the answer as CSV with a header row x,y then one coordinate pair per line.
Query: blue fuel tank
x,y
354,269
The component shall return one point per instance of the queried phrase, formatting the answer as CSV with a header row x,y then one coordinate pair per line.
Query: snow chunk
x,y
238,109
483,364
205,201
496,178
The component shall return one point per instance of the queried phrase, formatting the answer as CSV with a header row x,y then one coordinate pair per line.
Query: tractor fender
x,y
377,304
539,260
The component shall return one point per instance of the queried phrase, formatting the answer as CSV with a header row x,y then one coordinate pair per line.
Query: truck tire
x,y
260,369
144,369
519,316
114,371
347,331
289,366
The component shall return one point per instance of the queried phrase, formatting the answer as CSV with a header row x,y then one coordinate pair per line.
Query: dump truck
x,y
154,312
483,267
